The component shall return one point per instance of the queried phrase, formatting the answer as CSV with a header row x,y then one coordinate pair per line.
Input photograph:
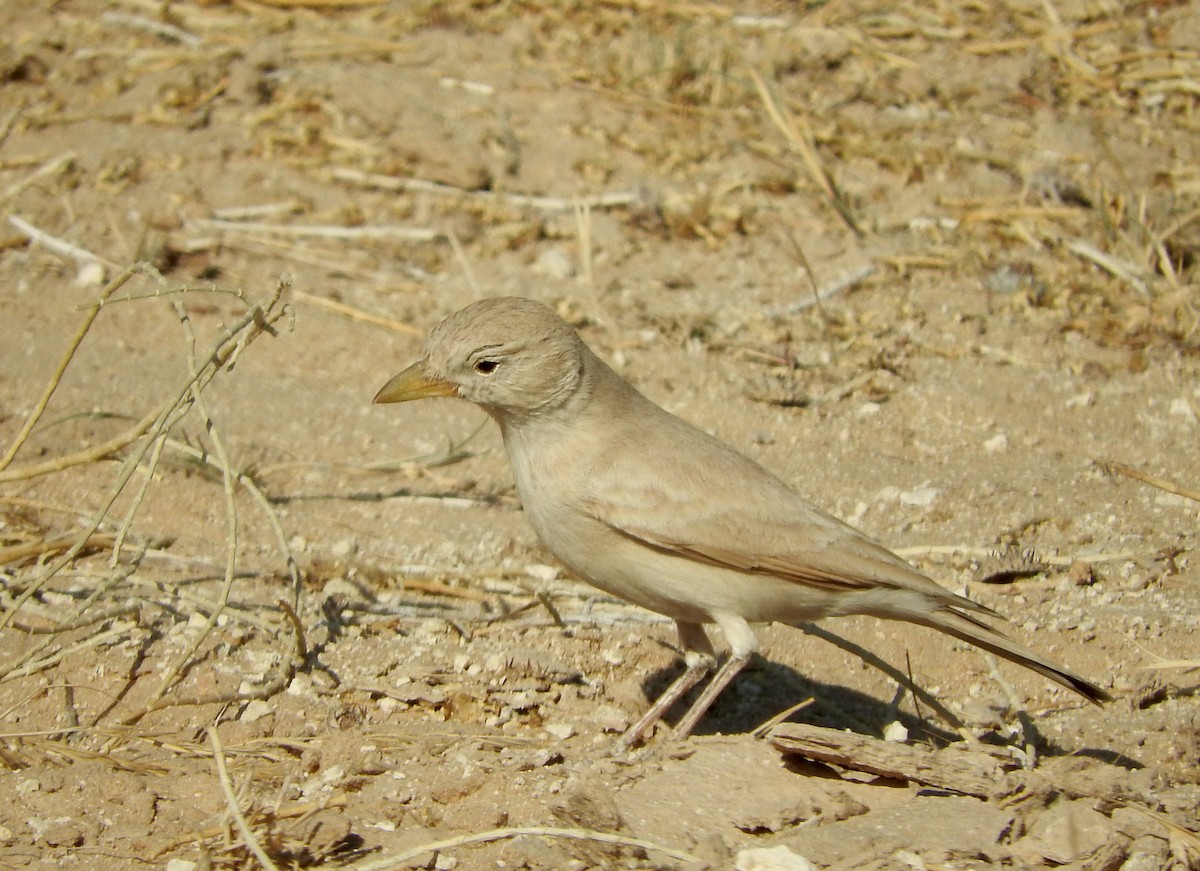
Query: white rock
x,y
772,859
1182,408
996,444
542,573
612,657
301,685
339,587
553,263
256,710
90,274
922,496
895,732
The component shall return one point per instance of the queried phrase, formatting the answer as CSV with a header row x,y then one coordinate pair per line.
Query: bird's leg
x,y
699,658
742,645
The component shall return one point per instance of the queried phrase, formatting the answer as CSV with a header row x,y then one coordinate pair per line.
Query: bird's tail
x,y
967,628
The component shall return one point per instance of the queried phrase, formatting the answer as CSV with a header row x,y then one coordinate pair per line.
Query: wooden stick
x,y
974,771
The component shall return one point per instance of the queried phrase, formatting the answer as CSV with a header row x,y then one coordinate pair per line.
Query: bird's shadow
x,y
766,689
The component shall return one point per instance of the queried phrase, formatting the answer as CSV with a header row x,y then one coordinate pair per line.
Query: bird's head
x,y
511,356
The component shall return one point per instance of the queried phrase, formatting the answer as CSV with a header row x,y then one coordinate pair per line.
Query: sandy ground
x,y
360,644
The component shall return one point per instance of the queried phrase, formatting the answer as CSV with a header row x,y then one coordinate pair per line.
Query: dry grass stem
x,y
264,503
173,671
800,138
786,714
583,225
55,379
258,211
1133,275
833,289
398,859
56,245
49,168
891,671
1154,481
315,231
117,633
161,29
464,260
318,4
289,812
235,809
15,553
254,322
90,619
608,200
292,255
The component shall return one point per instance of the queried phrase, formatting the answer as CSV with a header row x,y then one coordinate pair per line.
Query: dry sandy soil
x,y
229,581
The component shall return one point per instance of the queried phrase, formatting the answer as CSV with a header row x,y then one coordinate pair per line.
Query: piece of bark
x,y
972,771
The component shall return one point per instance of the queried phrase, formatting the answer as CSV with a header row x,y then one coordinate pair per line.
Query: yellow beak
x,y
415,382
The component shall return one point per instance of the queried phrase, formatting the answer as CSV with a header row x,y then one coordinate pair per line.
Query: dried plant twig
x,y
53,243
892,672
231,801
50,167
1131,274
801,140
40,407
264,503
161,29
356,314
1154,481
231,532
523,831
326,231
607,200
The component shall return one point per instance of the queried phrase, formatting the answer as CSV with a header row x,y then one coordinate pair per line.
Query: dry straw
x,y
108,608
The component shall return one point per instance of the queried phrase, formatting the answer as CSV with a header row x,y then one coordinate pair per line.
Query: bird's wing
x,y
727,511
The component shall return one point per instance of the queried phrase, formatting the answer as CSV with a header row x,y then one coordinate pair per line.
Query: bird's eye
x,y
487,367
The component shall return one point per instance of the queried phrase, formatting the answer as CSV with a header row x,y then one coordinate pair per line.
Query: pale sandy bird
x,y
648,508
